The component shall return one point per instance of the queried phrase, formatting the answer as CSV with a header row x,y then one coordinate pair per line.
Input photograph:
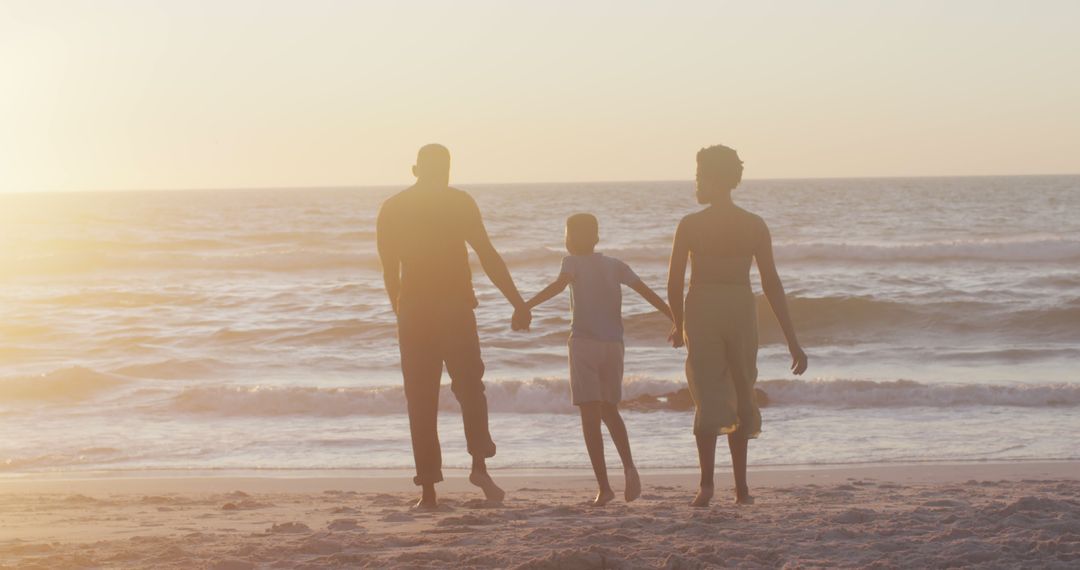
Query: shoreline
x,y
400,480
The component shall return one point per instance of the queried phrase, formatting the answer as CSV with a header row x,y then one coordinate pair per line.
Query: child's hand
x,y
676,336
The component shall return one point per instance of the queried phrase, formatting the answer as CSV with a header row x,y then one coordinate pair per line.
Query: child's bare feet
x,y
604,497
704,495
633,485
492,492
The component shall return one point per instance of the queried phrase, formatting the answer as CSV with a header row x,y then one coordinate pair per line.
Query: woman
x,y
720,323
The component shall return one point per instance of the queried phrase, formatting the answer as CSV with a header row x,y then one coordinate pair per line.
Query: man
x,y
421,233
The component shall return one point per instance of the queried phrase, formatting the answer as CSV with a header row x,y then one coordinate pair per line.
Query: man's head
x,y
432,165
719,171
582,234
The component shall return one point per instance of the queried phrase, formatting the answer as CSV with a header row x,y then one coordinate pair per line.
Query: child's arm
x,y
556,287
650,296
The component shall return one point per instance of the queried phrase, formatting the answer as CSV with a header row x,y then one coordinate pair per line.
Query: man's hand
x,y
676,336
522,319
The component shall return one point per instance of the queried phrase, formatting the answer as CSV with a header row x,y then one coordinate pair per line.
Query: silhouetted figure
x,y
596,345
719,326
421,234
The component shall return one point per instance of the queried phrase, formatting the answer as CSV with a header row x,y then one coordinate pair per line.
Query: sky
x,y
132,94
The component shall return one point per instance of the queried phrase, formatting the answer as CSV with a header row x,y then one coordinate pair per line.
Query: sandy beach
x,y
975,514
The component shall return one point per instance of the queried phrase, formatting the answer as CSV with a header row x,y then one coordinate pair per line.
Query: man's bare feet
x,y
427,501
604,497
633,485
704,495
425,504
492,492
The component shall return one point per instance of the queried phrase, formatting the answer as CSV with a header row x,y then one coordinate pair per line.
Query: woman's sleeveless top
x,y
719,257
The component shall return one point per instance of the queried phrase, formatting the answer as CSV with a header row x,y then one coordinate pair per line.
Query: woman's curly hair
x,y
721,165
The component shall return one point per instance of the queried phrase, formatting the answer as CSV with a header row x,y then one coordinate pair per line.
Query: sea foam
x,y
552,395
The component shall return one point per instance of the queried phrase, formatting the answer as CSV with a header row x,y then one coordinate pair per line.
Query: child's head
x,y
582,234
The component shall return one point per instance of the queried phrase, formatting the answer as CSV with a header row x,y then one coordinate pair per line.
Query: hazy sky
x,y
140,94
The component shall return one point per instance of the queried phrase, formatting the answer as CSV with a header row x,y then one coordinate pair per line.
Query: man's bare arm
x,y
492,262
389,258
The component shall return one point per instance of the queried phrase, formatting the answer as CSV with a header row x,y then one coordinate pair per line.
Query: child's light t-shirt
x,y
596,282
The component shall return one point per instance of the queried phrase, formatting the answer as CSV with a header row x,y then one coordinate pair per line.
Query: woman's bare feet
x,y
604,497
704,495
742,497
633,485
492,492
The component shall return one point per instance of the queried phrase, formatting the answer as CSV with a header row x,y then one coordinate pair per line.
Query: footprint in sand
x,y
343,524
467,520
289,528
944,503
244,505
233,564
385,500
853,516
398,517
319,546
482,504
80,499
336,493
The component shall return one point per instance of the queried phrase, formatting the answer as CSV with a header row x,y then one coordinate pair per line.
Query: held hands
x,y
676,336
798,359
522,319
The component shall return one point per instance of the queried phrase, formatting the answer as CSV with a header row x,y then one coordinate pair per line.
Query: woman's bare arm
x,y
680,250
774,292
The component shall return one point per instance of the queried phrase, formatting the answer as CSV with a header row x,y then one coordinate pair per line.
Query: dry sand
x,y
986,515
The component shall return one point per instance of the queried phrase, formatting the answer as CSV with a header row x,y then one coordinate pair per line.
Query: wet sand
x,y
931,515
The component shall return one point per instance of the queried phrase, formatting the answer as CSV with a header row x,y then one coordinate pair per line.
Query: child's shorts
x,y
596,370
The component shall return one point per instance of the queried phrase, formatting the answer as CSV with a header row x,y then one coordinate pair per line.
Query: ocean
x,y
248,329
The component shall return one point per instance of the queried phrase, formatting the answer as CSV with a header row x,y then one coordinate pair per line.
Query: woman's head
x,y
719,171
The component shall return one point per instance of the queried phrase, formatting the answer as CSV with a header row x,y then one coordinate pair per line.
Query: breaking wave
x,y
300,255
552,395
71,384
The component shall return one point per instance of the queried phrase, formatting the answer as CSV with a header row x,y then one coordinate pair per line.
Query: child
x,y
596,344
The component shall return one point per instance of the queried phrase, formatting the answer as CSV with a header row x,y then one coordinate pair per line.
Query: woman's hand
x,y
798,359
676,336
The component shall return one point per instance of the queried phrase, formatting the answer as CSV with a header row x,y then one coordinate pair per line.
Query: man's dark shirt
x,y
428,230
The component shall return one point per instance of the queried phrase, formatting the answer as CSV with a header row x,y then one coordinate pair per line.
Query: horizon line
x,y
535,183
